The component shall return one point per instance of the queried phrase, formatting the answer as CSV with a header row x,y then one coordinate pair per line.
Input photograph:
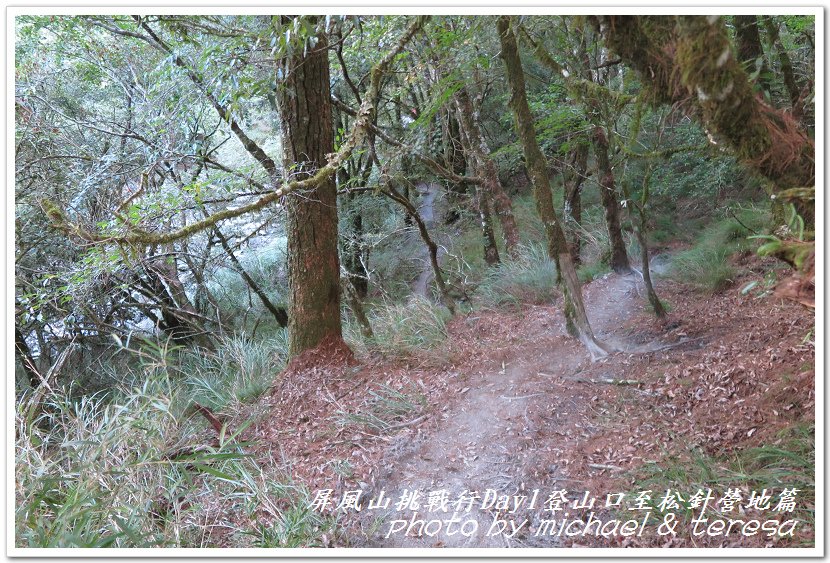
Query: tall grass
x,y
402,330
134,469
706,266
528,278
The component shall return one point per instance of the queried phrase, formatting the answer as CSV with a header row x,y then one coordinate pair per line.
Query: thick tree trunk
x,y
575,315
486,168
313,262
608,194
573,178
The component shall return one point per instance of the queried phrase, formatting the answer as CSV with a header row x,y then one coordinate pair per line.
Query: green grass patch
x,y
402,330
789,463
530,277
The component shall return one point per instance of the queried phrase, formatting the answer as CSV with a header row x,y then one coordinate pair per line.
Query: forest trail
x,y
487,440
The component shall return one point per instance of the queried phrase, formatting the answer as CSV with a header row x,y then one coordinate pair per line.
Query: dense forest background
x,y
216,215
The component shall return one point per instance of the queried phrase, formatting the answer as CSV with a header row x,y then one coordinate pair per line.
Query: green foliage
x,y
402,330
706,266
124,471
528,278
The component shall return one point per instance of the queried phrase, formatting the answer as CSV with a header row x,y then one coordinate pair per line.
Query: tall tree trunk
x,y
750,50
608,194
486,168
573,178
481,196
575,315
313,263
774,41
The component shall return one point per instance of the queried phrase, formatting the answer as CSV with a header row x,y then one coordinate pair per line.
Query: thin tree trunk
x,y
575,315
771,27
432,247
486,168
313,262
750,50
608,194
573,178
356,305
656,304
26,359
481,196
279,313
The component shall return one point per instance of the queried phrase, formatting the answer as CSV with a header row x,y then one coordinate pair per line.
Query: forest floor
x,y
511,404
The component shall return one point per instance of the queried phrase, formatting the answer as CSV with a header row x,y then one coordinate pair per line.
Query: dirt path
x,y
496,439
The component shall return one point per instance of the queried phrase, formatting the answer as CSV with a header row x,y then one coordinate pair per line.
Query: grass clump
x,y
706,265
528,278
402,330
706,269
239,372
132,468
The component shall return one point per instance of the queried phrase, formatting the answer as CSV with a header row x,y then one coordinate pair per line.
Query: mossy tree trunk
x,y
313,262
608,195
689,60
469,120
575,315
750,49
481,196
574,176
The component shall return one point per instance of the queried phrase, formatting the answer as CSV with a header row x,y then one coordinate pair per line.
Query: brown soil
x,y
511,403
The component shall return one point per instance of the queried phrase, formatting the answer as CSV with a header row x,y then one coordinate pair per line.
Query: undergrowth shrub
x,y
402,329
706,265
530,277
128,469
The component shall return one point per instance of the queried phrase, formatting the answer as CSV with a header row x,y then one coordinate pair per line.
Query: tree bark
x,y
304,103
750,50
608,194
702,72
468,119
575,315
573,178
481,196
